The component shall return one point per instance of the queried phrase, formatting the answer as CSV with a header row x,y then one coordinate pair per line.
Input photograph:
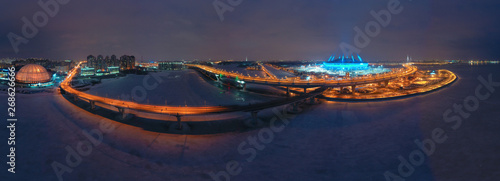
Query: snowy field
x,y
234,67
279,73
330,141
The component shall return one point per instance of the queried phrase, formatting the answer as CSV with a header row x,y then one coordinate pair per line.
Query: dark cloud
x,y
291,29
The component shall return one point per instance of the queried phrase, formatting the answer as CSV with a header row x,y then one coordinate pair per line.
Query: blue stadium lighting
x,y
343,65
360,58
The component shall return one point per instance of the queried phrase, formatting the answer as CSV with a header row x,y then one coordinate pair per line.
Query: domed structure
x,y
347,64
32,74
347,60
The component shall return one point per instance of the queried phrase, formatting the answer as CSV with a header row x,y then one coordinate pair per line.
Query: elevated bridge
x,y
384,77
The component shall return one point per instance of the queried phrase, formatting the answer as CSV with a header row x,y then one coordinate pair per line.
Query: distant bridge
x,y
394,74
178,111
122,105
345,82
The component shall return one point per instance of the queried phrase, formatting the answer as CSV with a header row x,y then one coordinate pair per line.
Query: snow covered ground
x,y
235,68
330,141
279,73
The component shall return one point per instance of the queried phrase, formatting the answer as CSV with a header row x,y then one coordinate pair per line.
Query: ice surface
x,y
330,141
184,87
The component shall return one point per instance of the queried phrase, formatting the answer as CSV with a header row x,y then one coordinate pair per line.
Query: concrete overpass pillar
x,y
287,91
305,90
92,105
353,88
295,109
386,83
312,100
179,122
122,112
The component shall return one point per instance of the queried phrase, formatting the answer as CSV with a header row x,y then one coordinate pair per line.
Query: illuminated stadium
x,y
343,66
33,75
345,63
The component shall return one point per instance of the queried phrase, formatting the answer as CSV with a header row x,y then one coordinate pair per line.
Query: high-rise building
x,y
91,60
100,63
171,65
115,62
127,62
108,65
107,61
131,62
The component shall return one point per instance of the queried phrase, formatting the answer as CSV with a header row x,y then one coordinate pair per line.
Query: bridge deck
x,y
173,110
407,70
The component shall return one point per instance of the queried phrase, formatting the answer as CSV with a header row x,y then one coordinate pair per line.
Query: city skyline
x,y
220,90
292,30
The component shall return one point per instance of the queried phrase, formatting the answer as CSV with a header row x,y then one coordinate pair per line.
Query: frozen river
x,y
330,141
184,87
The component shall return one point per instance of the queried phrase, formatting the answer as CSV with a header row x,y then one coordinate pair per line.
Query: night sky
x,y
259,29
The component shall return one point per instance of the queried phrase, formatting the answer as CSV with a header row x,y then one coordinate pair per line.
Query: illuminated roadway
x,y
174,110
65,85
272,76
397,73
